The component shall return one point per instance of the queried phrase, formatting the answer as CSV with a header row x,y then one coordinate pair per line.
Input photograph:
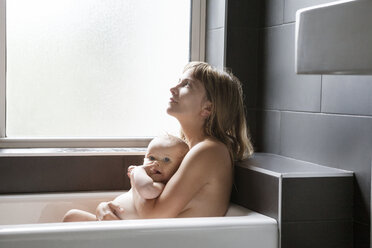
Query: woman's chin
x,y
170,111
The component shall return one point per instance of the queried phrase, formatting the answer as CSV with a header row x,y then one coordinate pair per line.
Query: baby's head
x,y
163,157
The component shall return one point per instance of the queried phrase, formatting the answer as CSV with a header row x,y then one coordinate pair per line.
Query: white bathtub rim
x,y
253,221
236,215
242,226
32,197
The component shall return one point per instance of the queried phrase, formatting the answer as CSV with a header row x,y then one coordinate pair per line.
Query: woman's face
x,y
188,98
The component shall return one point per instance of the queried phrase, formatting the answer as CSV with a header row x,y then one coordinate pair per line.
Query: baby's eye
x,y
166,159
152,158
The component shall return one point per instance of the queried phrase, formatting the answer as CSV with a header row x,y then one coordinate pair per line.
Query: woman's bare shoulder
x,y
213,145
212,151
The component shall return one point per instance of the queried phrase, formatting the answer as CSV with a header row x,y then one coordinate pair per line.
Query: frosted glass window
x,y
101,68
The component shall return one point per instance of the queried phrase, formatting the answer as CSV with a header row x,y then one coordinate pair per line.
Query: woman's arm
x,y
143,183
195,172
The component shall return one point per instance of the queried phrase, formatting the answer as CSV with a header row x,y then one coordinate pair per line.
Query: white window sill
x,y
72,142
58,152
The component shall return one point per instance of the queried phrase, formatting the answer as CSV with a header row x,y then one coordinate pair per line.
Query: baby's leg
x,y
74,215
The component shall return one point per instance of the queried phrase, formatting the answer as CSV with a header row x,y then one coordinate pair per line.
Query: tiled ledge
x,y
58,152
285,167
313,204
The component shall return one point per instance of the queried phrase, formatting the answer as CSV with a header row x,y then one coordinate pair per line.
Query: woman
x,y
209,106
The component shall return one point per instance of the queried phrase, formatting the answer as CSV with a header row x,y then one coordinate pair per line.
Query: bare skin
x,y
163,157
200,187
202,184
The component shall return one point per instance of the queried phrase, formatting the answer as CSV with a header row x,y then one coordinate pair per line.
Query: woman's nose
x,y
173,90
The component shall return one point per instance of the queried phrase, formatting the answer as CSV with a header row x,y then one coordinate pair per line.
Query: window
x,y
91,68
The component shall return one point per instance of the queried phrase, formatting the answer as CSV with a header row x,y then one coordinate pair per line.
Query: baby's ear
x,y
207,109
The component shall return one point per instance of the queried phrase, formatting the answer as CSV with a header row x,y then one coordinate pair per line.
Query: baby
x,y
163,157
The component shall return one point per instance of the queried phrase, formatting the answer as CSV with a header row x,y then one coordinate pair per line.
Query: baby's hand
x,y
151,167
130,169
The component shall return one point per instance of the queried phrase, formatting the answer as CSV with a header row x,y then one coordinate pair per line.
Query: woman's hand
x,y
108,211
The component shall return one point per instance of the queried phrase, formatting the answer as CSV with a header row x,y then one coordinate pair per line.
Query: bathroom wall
x,y
67,173
322,119
215,33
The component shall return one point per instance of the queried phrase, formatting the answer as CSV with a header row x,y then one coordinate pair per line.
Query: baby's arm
x,y
144,184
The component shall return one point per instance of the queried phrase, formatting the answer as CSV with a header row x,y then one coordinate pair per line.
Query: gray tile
x,y
361,235
317,199
273,12
242,59
251,118
343,142
132,160
291,6
256,191
268,131
347,95
244,14
215,14
281,88
61,174
317,234
215,47
361,204
249,84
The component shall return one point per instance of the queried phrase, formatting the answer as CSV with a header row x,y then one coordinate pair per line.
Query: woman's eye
x,y
166,159
152,158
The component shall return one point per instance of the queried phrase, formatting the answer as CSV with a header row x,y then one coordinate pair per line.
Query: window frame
x,y
197,52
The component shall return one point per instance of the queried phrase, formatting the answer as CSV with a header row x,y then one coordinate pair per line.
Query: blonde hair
x,y
227,121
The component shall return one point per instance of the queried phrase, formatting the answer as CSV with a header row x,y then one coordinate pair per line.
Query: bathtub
x,y
33,220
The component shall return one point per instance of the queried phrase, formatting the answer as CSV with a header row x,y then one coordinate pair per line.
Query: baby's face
x,y
162,159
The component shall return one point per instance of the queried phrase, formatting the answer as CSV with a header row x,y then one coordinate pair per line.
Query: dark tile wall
x,y
347,95
317,212
290,91
343,142
322,234
242,32
63,174
256,191
312,211
317,199
317,118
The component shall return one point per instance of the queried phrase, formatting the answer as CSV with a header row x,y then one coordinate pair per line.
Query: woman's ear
x,y
207,109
